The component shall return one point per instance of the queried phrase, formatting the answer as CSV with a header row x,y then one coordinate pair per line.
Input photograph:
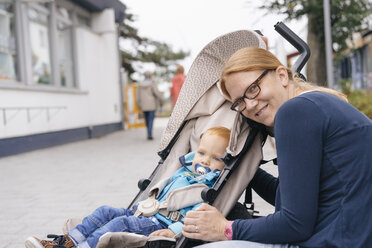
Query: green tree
x,y
347,17
141,50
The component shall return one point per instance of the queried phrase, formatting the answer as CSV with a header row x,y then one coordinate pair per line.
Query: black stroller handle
x,y
297,42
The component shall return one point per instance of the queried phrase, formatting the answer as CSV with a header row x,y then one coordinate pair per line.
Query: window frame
x,y
51,41
69,22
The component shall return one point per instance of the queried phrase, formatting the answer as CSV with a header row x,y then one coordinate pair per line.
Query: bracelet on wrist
x,y
229,231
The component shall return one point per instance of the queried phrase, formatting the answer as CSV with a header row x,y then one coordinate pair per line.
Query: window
x,y
65,59
40,45
37,42
7,42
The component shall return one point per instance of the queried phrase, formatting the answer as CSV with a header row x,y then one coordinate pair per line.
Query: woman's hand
x,y
163,232
205,223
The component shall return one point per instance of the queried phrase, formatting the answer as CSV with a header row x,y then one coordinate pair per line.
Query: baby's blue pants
x,y
108,219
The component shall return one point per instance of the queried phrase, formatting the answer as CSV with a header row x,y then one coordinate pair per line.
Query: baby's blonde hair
x,y
219,131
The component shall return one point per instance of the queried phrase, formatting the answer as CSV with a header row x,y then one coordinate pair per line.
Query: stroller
x,y
201,106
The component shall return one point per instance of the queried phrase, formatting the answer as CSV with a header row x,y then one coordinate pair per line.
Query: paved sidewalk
x,y
39,190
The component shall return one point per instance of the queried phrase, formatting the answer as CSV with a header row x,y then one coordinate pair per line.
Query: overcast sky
x,y
192,24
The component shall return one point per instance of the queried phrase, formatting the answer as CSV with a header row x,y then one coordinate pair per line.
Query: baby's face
x,y
210,151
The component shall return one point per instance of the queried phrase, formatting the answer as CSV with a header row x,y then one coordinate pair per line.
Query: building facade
x,y
357,64
59,72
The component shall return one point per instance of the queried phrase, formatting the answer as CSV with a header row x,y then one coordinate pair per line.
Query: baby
x,y
155,216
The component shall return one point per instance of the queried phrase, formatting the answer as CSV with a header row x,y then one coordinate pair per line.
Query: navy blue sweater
x,y
324,148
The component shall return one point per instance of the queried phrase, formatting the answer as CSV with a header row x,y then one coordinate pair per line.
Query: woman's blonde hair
x,y
254,59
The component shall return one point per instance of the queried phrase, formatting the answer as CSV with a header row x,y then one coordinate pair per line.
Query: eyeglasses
x,y
250,93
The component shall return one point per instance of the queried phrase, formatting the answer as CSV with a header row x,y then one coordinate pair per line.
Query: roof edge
x,y
99,5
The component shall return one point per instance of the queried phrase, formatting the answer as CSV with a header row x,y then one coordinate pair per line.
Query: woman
x,y
324,148
177,82
147,98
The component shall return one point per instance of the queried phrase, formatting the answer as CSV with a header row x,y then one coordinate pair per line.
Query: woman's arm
x,y
157,94
265,185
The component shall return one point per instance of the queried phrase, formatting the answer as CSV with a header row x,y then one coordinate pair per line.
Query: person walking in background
x,y
147,98
177,82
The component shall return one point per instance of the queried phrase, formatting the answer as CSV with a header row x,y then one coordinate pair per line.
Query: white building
x,y
59,72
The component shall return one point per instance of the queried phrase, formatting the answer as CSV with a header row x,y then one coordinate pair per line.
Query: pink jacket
x,y
177,83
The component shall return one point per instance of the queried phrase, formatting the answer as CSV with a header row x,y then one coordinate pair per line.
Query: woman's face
x,y
274,92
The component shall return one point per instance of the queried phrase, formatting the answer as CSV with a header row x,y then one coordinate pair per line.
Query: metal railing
x,y
31,112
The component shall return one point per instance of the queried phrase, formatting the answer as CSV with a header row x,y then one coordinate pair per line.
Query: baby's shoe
x,y
62,241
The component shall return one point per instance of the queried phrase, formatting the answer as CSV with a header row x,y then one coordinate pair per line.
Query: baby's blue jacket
x,y
181,178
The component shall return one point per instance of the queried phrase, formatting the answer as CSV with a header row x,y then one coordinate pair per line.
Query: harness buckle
x,y
175,216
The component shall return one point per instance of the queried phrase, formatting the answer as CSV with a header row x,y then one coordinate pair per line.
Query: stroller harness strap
x,y
176,200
